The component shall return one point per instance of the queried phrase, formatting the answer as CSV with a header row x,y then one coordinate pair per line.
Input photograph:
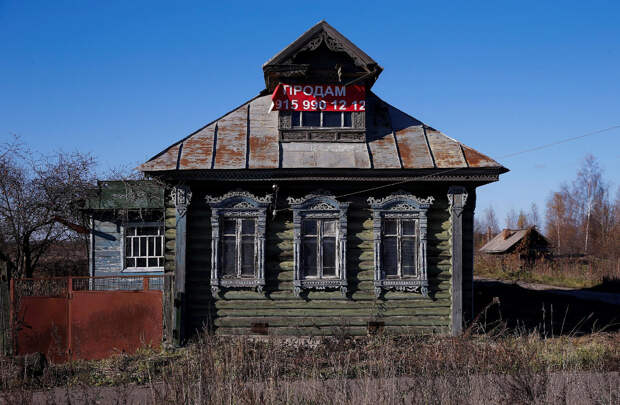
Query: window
x,y
399,226
322,119
144,247
238,240
320,229
318,248
398,247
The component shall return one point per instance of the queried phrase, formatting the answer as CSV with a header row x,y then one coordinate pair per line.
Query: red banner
x,y
319,97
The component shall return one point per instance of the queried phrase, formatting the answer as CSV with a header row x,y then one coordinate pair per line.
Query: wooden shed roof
x,y
247,138
507,239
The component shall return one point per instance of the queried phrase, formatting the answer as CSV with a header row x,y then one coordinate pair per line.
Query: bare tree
x,y
34,192
511,219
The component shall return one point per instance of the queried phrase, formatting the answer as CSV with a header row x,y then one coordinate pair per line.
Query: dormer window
x,y
322,119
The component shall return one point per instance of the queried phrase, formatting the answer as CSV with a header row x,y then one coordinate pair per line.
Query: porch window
x,y
400,227
320,228
238,221
144,247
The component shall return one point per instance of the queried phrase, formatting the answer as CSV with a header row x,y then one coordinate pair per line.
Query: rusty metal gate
x,y
69,318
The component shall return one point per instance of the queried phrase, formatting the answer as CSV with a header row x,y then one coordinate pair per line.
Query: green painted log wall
x,y
234,311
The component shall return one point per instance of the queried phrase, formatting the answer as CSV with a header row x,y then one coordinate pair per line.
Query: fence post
x,y
145,283
69,319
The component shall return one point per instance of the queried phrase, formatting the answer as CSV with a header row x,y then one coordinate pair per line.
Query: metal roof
x,y
126,194
508,238
248,138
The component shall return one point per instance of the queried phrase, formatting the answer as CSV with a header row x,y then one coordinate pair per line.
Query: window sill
x,y
402,284
142,269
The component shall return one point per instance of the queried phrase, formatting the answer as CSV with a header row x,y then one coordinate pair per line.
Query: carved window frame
x,y
401,205
238,205
320,206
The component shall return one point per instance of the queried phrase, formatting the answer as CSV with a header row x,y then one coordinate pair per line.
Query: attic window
x,y
321,119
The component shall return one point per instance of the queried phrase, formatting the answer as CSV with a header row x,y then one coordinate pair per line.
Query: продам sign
x,y
319,97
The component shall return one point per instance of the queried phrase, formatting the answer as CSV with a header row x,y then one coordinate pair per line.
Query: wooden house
x,y
317,208
526,244
126,228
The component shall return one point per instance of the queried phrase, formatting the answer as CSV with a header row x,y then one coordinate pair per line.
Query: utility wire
x,y
416,178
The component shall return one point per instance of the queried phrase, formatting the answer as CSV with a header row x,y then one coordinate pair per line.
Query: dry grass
x,y
563,272
388,369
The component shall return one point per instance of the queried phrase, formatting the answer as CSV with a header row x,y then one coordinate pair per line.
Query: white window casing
x,y
328,219
402,210
239,208
143,247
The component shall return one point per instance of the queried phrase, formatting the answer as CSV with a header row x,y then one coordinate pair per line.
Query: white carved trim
x,y
401,205
320,204
181,196
238,204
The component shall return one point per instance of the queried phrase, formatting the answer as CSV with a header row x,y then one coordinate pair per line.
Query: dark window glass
x,y
408,256
229,226
130,262
140,262
161,262
151,246
308,257
347,119
390,226
332,119
329,228
142,246
408,227
247,227
247,256
128,247
158,246
311,119
136,247
329,256
147,230
229,262
389,256
296,115
308,227
152,262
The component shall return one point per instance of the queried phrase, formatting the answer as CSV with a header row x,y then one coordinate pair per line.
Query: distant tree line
x,y
581,217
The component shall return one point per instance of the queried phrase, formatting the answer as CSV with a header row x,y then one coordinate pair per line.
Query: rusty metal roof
x,y
247,138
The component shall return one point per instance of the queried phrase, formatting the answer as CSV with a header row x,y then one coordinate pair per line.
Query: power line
x,y
560,142
416,178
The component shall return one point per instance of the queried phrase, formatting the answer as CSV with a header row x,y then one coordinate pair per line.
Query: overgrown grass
x,y
561,272
390,369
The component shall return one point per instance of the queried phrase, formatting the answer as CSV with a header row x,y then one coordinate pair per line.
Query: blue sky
x,y
124,79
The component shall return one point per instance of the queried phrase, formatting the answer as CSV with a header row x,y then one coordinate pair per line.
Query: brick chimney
x,y
506,234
